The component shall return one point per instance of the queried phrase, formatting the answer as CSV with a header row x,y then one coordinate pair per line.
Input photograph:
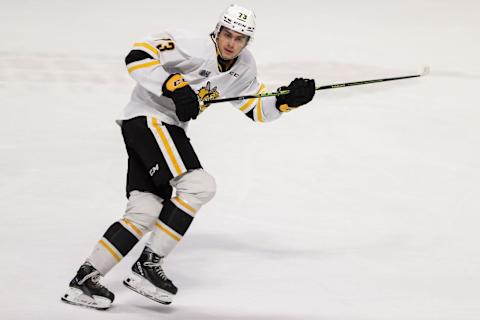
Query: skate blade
x,y
145,288
77,297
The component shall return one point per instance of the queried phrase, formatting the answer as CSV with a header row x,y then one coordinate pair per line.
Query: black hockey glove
x,y
183,96
301,92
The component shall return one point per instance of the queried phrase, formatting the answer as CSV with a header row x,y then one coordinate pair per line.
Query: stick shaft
x,y
330,86
358,83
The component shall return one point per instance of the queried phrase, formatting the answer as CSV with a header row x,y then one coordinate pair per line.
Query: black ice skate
x,y
85,290
149,280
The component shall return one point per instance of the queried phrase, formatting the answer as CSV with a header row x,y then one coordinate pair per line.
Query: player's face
x,y
230,43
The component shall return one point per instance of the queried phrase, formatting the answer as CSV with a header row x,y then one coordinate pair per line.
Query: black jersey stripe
x,y
121,238
176,219
250,114
136,55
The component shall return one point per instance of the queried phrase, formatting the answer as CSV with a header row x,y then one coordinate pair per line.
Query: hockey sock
x,y
174,221
117,241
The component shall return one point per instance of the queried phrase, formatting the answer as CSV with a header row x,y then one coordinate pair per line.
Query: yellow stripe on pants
x,y
167,146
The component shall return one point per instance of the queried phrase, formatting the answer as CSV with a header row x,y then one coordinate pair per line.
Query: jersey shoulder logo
x,y
204,73
207,93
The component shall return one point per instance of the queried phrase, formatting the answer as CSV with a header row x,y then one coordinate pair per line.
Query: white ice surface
x,y
363,205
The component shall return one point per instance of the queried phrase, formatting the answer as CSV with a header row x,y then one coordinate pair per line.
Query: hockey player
x,y
175,74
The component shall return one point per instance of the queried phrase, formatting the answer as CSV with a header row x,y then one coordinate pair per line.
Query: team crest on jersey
x,y
207,93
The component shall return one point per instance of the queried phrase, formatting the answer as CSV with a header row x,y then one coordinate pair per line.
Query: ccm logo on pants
x,y
154,169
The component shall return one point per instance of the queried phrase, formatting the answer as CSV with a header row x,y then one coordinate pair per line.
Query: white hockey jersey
x,y
152,60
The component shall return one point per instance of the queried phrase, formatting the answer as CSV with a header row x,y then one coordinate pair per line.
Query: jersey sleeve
x,y
150,60
257,109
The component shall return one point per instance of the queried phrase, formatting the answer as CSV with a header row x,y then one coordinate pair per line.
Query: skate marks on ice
x,y
47,69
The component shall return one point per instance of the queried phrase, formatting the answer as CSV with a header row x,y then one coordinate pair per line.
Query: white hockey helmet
x,y
238,19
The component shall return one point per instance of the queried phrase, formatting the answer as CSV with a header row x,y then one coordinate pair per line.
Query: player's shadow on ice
x,y
187,313
234,244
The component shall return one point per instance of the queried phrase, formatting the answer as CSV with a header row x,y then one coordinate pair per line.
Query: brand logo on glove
x,y
178,82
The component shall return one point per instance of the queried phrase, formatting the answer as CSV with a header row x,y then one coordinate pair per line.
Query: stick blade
x,y
426,71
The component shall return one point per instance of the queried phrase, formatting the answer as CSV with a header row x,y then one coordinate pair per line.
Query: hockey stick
x,y
425,71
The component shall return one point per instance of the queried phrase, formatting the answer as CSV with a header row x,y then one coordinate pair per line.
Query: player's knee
x,y
143,209
197,186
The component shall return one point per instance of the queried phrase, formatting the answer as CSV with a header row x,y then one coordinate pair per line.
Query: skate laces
x,y
157,267
94,278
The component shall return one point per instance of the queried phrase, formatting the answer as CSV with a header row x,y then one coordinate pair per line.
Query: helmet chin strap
x,y
218,51
220,54
214,36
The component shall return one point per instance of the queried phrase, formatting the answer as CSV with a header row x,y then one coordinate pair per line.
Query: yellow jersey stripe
x,y
167,146
147,46
134,227
246,105
112,252
143,65
158,225
185,205
262,89
259,111
250,101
